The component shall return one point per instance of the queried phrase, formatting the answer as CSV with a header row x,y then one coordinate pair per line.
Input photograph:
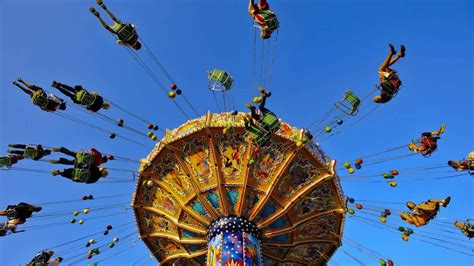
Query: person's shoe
x,y
19,80
249,106
446,201
9,151
377,98
93,11
55,84
402,51
392,49
101,4
442,129
412,147
56,172
14,83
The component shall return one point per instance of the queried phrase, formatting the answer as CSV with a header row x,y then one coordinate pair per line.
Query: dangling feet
x,y
264,92
249,106
56,172
412,147
392,49
93,11
440,131
101,4
446,202
402,51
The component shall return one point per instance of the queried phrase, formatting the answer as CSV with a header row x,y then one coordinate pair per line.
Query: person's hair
x,y
426,134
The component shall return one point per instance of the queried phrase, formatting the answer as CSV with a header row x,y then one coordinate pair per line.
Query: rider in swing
x,y
126,33
389,81
264,17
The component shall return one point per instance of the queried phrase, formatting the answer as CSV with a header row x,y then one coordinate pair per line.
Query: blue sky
x,y
324,47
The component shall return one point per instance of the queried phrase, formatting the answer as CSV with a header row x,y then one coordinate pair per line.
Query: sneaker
x,y
402,51
56,172
93,11
392,49
446,201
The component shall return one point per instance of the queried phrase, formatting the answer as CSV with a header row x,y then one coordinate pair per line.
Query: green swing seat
x,y
86,98
351,99
220,80
83,160
259,134
270,19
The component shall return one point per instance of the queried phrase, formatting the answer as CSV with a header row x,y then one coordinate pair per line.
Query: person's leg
x,y
27,91
18,146
443,202
65,151
65,90
17,152
418,220
104,7
263,5
253,112
67,173
253,9
29,85
439,131
62,161
386,62
261,105
394,59
59,85
104,24
400,55
428,206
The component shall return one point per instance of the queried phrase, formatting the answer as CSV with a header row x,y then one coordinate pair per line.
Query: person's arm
x,y
251,8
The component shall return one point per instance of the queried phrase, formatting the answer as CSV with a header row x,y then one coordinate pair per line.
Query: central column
x,y
233,241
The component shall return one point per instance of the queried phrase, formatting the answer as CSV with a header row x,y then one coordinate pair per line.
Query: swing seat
x,y
84,160
270,21
271,121
127,34
219,80
40,99
391,85
81,175
30,152
351,99
259,134
87,98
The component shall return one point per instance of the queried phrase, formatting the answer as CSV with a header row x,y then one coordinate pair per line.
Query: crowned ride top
x,y
205,196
